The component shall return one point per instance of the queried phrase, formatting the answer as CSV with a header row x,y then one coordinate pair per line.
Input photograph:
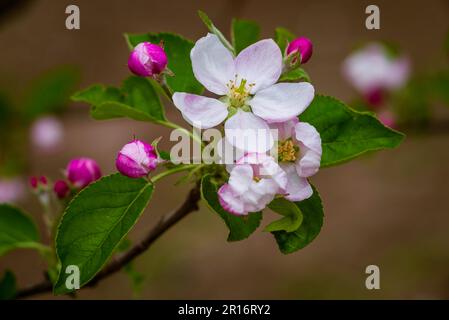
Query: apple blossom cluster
x,y
258,112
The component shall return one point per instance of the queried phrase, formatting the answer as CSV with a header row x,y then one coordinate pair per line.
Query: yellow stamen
x,y
238,94
287,151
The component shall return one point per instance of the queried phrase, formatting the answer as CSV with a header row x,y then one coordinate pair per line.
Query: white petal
x,y
282,101
227,154
284,130
199,111
298,188
266,167
241,178
260,64
310,149
247,132
259,195
213,64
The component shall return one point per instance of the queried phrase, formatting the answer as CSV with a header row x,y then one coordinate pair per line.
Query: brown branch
x,y
189,205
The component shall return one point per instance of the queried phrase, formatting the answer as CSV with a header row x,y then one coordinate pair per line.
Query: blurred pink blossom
x,y
47,133
11,190
371,69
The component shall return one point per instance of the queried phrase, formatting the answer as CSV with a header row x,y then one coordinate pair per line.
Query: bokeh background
x,y
389,209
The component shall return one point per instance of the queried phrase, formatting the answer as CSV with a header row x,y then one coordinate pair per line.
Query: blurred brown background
x,y
388,209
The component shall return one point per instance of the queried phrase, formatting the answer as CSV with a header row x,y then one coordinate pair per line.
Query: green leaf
x,y
313,214
292,216
244,33
346,133
50,93
95,222
137,100
17,230
178,50
8,286
282,37
213,29
295,75
239,227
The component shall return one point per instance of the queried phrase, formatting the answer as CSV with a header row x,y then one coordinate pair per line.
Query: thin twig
x,y
189,205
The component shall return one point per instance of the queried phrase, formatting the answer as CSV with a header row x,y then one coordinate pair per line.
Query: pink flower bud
x,y
147,59
303,46
36,182
375,97
43,180
61,188
33,182
83,171
137,159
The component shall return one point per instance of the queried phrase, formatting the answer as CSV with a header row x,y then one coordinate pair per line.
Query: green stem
x,y
172,125
167,90
172,171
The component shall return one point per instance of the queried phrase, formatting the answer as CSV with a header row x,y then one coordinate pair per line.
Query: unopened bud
x,y
83,171
302,45
61,188
147,60
137,159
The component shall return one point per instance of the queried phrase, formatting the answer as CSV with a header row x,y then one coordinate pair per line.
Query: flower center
x,y
238,93
287,151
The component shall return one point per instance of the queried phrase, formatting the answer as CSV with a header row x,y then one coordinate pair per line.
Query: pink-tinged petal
x,y
241,178
298,188
247,132
213,64
282,101
308,136
259,64
199,111
310,149
230,202
284,130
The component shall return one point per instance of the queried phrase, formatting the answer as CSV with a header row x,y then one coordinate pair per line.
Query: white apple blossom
x,y
299,155
250,96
